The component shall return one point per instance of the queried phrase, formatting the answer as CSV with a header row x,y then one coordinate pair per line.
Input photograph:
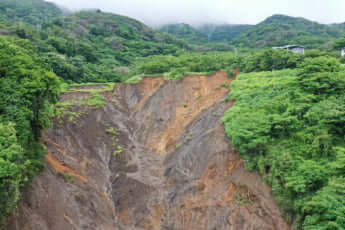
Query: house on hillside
x,y
292,48
343,52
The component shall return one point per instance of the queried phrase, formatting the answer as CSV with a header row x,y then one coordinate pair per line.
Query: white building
x,y
292,48
343,52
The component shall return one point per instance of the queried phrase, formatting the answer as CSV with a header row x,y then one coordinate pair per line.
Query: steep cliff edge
x,y
155,156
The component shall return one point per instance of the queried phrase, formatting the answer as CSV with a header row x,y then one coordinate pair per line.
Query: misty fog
x,y
157,12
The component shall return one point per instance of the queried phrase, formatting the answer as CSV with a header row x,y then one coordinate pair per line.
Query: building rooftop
x,y
288,47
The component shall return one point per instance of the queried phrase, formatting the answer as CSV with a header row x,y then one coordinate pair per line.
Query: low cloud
x,y
157,12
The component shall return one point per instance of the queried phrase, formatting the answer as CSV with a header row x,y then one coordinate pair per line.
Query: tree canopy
x,y
27,91
288,125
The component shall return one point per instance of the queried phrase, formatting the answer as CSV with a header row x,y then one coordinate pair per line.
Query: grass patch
x,y
118,150
106,87
67,176
112,131
173,75
94,100
61,112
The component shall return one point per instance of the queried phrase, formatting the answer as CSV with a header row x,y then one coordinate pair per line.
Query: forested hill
x,y
223,32
340,26
205,33
281,30
87,46
274,31
28,11
184,31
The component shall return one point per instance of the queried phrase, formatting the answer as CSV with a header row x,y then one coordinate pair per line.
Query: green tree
x,y
12,168
27,92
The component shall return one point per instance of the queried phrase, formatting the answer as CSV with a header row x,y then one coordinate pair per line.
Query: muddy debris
x,y
154,157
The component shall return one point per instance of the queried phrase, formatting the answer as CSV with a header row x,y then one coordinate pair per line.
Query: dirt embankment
x,y
154,157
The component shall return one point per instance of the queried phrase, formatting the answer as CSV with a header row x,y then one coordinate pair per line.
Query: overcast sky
x,y
155,12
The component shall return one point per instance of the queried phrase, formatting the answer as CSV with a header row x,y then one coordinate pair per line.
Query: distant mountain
x,y
28,11
281,30
205,33
185,32
340,26
221,33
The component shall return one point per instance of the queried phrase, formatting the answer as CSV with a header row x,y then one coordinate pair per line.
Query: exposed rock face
x,y
155,157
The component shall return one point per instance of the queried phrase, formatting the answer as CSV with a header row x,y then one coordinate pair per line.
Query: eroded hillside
x,y
152,156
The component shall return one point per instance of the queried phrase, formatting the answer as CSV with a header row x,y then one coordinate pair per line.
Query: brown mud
x,y
155,157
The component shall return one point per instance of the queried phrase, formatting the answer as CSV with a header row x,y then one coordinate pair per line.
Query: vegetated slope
x,y
94,43
34,12
281,30
151,155
223,32
289,125
206,37
177,66
27,90
205,33
86,46
185,32
338,25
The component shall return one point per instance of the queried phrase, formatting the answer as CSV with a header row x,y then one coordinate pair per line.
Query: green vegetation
x,y
287,121
222,33
339,44
30,11
88,46
282,30
243,196
105,43
112,131
276,30
289,126
211,62
206,37
12,166
27,91
118,150
185,32
94,99
94,88
67,176
61,112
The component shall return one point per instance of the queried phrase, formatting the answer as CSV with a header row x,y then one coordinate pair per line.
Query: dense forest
x,y
209,62
288,125
89,46
281,30
287,121
32,11
184,31
206,37
205,33
277,30
27,92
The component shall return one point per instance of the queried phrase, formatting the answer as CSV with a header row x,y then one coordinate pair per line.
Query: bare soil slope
x,y
154,157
